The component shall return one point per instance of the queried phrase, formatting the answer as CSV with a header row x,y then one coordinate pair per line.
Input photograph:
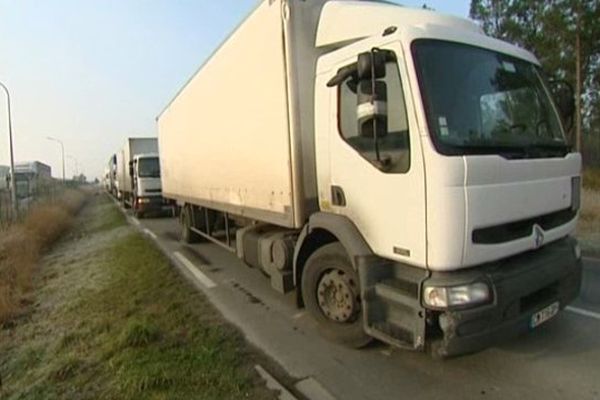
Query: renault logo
x,y
538,236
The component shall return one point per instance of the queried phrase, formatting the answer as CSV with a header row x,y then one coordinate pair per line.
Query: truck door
x,y
378,183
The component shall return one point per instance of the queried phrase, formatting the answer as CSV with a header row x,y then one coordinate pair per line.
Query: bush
x,y
22,244
18,255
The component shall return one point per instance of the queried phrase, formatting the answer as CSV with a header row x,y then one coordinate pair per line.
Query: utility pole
x,y
13,186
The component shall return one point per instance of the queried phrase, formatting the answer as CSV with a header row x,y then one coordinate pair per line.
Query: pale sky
x,y
93,72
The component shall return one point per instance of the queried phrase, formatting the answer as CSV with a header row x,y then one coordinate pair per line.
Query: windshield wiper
x,y
547,149
511,151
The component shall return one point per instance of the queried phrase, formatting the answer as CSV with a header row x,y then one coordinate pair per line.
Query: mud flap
x,y
390,294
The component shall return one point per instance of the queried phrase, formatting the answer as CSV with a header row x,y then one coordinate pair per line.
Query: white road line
x,y
150,233
274,384
387,352
299,315
314,390
203,279
585,313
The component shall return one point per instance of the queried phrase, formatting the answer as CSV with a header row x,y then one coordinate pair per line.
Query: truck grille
x,y
521,229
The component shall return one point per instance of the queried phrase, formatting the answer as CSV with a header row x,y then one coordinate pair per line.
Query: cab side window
x,y
394,147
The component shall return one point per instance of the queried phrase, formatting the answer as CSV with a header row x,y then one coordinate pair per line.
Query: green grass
x,y
125,326
112,218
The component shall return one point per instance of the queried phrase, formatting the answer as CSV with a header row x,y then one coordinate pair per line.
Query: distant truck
x,y
407,175
111,176
31,178
138,176
106,179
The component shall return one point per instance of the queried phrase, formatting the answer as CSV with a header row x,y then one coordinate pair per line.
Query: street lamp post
x,y
62,146
13,186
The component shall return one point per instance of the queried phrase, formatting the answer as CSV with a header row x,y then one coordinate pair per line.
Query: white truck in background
x,y
407,175
111,176
138,176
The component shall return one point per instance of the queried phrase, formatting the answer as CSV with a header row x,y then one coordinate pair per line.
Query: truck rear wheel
x,y
187,234
331,293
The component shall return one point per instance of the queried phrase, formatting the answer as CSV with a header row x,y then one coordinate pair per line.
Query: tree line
x,y
565,36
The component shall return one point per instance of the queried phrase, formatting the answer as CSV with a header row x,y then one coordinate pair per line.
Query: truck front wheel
x,y
331,293
187,234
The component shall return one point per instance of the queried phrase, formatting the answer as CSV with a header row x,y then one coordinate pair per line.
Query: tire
x,y
187,235
325,270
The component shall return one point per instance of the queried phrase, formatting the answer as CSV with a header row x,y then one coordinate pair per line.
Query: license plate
x,y
544,315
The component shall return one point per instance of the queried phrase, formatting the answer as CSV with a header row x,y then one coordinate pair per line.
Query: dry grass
x,y
18,256
590,210
588,229
591,178
22,244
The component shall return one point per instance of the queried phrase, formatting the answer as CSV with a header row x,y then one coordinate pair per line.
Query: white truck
x,y
111,176
407,175
138,176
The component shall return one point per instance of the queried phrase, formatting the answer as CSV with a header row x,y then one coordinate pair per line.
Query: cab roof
x,y
344,21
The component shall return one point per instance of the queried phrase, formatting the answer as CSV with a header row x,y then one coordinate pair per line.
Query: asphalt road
x,y
559,360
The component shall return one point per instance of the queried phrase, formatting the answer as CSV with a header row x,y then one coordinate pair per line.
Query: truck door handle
x,y
338,198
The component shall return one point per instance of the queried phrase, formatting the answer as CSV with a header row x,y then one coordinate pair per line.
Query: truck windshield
x,y
483,102
149,168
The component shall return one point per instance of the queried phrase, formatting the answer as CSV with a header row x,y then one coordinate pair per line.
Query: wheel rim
x,y
337,295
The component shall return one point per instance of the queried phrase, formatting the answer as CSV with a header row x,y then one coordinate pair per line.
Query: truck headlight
x,y
143,201
456,296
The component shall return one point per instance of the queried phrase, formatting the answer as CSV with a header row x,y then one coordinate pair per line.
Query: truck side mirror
x,y
371,109
371,65
130,168
371,92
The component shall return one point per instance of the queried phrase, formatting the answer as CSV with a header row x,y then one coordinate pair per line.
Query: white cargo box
x,y
239,136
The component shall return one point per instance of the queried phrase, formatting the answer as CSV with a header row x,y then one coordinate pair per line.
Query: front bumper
x,y
152,204
523,285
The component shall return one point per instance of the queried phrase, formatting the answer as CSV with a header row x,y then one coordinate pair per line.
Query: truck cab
x,y
445,149
145,177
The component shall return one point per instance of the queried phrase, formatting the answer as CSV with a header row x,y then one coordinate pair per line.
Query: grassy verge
x,y
115,321
588,229
22,244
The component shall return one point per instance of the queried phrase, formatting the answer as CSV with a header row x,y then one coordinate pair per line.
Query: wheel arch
x,y
322,229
